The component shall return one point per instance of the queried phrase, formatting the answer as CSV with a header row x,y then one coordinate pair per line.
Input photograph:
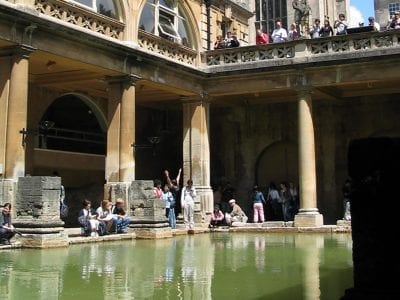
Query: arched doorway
x,y
71,141
277,162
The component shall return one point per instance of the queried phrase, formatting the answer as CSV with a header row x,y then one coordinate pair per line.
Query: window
x,y
103,7
165,19
393,7
268,11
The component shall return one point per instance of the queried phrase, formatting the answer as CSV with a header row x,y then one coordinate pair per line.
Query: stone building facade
x,y
109,94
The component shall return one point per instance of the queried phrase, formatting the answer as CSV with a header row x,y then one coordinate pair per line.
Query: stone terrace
x,y
74,234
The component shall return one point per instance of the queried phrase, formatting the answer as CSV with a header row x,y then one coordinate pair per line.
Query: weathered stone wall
x,y
7,191
240,134
38,198
37,208
146,207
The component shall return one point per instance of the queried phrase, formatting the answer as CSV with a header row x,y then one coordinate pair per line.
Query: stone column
x,y
14,115
308,215
120,161
196,155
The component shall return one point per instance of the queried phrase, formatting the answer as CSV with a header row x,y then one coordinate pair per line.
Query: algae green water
x,y
204,266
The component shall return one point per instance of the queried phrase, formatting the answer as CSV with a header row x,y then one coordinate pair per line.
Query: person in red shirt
x,y
261,37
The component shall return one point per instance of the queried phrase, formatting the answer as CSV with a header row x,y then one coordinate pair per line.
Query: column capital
x,y
18,50
203,97
305,91
126,79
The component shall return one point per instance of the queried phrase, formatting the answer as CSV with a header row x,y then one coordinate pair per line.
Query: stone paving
x,y
75,237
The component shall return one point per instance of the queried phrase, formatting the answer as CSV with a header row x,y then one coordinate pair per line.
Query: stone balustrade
x,y
303,49
80,16
166,48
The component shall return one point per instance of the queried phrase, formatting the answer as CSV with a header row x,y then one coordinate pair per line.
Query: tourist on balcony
x,y
326,30
395,23
341,25
293,33
261,38
219,43
279,35
7,230
316,29
187,203
121,219
227,39
234,42
376,25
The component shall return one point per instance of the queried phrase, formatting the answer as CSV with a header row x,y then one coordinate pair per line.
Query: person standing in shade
x,y
169,201
188,196
7,230
346,200
258,205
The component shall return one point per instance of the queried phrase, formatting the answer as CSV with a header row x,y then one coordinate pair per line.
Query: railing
x,y
352,43
167,48
76,15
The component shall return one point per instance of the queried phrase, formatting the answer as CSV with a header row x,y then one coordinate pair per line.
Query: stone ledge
x,y
13,245
105,238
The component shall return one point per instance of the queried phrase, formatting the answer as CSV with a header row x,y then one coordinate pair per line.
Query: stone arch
x,y
72,119
191,19
277,162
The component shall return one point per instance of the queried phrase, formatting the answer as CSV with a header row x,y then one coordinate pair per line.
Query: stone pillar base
x,y
153,233
309,217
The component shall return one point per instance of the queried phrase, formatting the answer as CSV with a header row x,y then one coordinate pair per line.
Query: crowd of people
x,y
296,31
106,219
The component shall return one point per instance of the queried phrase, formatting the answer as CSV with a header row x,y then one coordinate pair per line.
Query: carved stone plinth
x,y
37,207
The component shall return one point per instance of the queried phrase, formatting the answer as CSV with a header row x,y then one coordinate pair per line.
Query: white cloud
x,y
355,17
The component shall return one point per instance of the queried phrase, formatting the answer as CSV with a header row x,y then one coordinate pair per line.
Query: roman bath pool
x,y
203,266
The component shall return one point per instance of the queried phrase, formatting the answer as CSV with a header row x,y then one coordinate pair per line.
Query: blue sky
x,y
360,10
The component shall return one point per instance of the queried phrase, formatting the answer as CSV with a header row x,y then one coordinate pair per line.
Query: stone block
x,y
50,240
153,233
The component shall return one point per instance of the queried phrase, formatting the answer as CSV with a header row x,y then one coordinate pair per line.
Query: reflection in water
x,y
209,266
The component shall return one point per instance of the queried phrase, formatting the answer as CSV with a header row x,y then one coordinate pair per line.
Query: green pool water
x,y
203,266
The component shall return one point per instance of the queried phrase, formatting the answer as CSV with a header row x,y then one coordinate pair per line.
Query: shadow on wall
x,y
74,198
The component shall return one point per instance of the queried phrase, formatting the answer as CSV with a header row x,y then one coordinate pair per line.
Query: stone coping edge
x,y
74,236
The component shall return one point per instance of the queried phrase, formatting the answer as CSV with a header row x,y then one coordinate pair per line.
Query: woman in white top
x,y
105,216
187,203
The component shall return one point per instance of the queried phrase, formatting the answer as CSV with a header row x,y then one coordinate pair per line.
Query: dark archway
x,y
72,124
277,162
